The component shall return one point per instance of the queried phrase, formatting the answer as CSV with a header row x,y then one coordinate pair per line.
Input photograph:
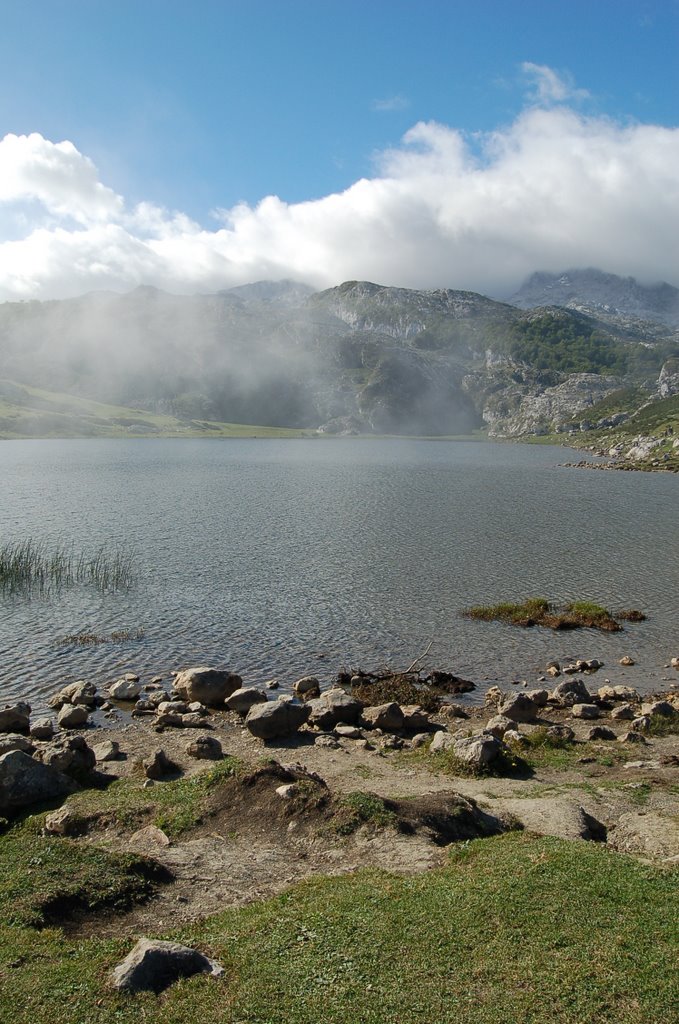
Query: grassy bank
x,y
513,929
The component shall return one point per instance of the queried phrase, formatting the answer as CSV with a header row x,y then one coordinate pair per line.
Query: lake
x,y
292,557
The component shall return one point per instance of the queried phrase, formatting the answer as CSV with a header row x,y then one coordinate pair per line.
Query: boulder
x,y
172,707
585,711
623,712
68,754
42,729
348,732
81,692
659,707
561,732
108,750
631,737
641,724
15,741
626,660
519,708
555,816
414,717
153,965
24,781
538,697
205,748
211,686
72,716
499,725
625,693
158,764
15,717
383,716
571,691
276,718
479,752
307,687
65,822
601,732
332,707
242,699
125,689
442,742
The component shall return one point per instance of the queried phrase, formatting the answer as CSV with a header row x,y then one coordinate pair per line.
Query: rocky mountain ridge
x,y
360,357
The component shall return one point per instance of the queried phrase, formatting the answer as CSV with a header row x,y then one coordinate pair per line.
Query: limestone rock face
x,y
154,965
210,686
276,719
24,781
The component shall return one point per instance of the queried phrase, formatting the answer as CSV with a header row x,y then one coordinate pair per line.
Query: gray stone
x,y
641,724
601,732
348,732
625,693
65,822
414,717
624,712
499,725
631,737
68,754
172,707
125,689
244,698
383,716
72,716
15,717
538,697
561,732
15,741
42,729
205,748
519,708
659,707
211,686
585,711
326,740
307,687
109,750
332,707
441,742
571,691
157,765
193,720
153,965
24,781
478,752
276,718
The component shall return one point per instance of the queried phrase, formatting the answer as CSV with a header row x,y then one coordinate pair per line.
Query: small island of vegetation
x,y
538,611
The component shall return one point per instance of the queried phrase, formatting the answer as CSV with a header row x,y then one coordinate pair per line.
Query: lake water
x,y
284,558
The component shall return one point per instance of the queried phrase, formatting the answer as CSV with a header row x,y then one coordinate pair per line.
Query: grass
x,y
32,565
445,762
514,930
356,809
175,806
538,611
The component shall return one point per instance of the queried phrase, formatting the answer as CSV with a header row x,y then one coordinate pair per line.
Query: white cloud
x,y
550,191
547,86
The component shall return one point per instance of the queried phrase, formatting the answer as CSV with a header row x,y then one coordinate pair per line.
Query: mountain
x,y
360,357
601,295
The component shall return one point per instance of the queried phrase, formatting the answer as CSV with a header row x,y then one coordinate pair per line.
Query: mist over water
x,y
283,558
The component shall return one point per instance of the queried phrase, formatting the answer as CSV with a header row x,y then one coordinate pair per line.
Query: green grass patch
x,y
356,809
175,806
43,878
514,930
538,611
664,725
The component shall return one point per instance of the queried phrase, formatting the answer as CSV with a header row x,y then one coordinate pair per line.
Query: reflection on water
x,y
289,557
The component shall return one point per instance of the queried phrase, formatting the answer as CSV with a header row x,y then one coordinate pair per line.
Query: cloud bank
x,y
552,190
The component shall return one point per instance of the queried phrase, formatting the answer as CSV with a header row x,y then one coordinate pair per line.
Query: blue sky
x,y
194,107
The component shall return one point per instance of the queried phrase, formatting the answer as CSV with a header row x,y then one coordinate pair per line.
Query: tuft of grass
x,y
359,808
31,565
664,725
445,762
537,611
175,806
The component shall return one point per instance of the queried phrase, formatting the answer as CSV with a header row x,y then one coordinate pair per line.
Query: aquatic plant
x,y
537,611
34,566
